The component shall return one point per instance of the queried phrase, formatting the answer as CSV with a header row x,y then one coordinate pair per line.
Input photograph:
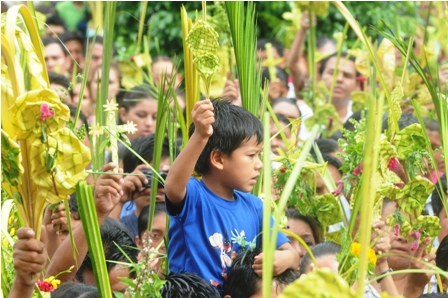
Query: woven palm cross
x,y
113,129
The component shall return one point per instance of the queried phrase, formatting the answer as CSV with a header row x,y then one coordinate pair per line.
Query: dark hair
x,y
324,62
98,40
436,199
75,290
83,117
323,40
73,35
432,125
291,101
187,285
143,218
358,115
50,40
331,161
280,74
320,250
327,146
293,213
114,236
243,282
55,19
132,97
233,126
405,120
261,45
282,118
144,146
59,79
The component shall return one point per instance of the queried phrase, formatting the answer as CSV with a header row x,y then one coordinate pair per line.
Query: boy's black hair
x,y
59,79
320,250
143,218
83,117
288,100
261,45
331,161
243,282
75,290
327,145
55,19
144,146
432,125
293,213
436,200
280,74
113,235
324,62
187,285
405,120
50,40
233,126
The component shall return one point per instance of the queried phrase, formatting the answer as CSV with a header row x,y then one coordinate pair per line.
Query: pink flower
x,y
416,241
338,191
45,286
358,170
395,166
397,229
45,112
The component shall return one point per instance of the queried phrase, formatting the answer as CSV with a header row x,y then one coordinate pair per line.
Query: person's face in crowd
x,y
97,55
76,50
277,89
289,110
62,92
55,59
345,82
277,142
54,30
399,245
144,115
321,189
164,67
114,83
326,261
304,231
263,55
434,138
156,234
115,274
86,105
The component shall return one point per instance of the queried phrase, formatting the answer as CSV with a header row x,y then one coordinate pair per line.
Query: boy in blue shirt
x,y
215,218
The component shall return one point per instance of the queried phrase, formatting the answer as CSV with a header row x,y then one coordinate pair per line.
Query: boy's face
x,y
242,168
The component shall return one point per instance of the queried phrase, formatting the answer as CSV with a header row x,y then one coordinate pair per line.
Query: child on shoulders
x,y
215,218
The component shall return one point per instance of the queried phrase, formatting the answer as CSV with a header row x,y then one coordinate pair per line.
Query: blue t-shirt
x,y
210,230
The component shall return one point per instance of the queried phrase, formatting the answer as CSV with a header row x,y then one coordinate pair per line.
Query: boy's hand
x,y
282,261
29,257
108,191
203,118
55,222
380,236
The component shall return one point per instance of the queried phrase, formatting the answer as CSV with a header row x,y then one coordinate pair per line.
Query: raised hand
x,y
203,118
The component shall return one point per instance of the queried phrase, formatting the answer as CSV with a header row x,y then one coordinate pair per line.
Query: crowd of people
x,y
211,244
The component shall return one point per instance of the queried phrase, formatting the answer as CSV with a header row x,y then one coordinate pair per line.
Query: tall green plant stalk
x,y
100,115
191,74
270,247
368,188
268,260
311,54
242,27
89,219
144,5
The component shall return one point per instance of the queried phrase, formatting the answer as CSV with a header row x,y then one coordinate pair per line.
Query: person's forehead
x,y
54,49
344,65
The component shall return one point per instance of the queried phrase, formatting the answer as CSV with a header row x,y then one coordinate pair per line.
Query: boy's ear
x,y
217,159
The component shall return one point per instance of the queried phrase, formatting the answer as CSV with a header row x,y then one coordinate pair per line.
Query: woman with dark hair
x,y
305,227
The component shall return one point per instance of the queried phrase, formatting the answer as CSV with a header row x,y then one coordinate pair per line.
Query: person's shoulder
x,y
250,198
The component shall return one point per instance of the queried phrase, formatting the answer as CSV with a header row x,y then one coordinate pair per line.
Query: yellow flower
x,y
12,232
10,219
356,249
54,282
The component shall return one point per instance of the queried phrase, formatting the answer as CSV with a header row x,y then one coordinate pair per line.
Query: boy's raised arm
x,y
182,168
